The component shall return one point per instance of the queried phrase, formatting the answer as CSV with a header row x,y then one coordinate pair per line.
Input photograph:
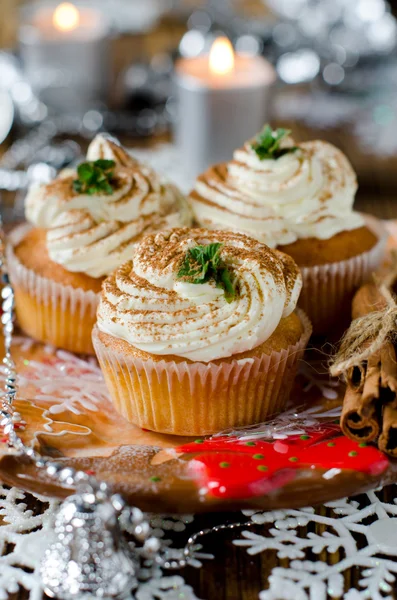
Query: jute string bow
x,y
367,334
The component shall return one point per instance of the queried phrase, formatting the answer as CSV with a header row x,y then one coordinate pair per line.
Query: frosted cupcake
x,y
199,332
298,198
85,224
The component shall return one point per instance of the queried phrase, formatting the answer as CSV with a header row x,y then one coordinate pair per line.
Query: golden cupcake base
x,y
47,310
193,398
328,289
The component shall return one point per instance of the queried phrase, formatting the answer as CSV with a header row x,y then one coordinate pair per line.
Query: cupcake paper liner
x,y
328,290
49,311
200,398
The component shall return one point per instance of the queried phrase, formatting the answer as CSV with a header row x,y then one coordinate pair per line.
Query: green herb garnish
x,y
94,177
267,143
203,263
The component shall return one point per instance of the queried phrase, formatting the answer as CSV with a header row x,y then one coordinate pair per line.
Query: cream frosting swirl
x,y
145,304
305,193
94,234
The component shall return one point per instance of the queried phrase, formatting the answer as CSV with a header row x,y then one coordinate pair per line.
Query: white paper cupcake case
x,y
328,290
56,314
200,398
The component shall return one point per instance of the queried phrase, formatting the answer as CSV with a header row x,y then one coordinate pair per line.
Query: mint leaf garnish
x,y
203,263
267,143
95,177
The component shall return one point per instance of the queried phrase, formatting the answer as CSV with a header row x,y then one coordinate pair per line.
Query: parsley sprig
x,y
203,263
267,143
95,177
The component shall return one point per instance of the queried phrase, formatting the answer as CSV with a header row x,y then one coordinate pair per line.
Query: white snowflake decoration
x,y
24,537
30,534
165,588
304,579
70,384
375,520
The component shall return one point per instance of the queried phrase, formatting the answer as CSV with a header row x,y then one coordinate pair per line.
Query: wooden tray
x,y
299,458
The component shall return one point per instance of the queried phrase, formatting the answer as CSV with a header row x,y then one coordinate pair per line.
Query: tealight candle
x,y
222,101
65,52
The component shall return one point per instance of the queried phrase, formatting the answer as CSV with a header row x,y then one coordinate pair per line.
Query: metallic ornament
x,y
90,555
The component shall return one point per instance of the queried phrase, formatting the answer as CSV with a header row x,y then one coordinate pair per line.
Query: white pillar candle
x,y
65,55
222,99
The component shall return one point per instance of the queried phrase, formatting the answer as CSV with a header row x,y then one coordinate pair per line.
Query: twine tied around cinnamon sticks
x,y
367,359
367,334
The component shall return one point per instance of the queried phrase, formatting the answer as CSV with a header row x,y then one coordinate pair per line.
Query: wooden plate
x,y
300,458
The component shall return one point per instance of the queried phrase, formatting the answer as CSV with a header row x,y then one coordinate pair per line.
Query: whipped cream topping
x,y
305,193
94,234
145,304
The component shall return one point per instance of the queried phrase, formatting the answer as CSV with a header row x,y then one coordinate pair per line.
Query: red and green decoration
x,y
235,468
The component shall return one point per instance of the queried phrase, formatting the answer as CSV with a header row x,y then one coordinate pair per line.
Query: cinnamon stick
x,y
388,438
368,299
370,403
357,423
388,373
361,417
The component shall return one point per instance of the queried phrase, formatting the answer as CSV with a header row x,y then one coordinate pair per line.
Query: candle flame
x,y
66,17
221,60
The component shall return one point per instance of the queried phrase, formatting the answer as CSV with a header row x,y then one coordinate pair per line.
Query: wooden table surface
x,y
234,575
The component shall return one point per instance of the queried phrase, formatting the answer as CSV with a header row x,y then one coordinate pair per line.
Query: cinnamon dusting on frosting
x,y
306,193
96,233
145,304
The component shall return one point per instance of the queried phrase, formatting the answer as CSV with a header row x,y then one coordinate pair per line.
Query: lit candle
x,y
221,59
65,52
66,17
222,101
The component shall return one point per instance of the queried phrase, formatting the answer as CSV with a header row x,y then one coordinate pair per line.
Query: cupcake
x,y
86,223
297,198
199,332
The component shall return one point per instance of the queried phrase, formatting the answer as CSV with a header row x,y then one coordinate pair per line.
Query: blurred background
x,y
69,70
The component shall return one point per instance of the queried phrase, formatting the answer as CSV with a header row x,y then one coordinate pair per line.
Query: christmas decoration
x,y
233,467
338,528
25,534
